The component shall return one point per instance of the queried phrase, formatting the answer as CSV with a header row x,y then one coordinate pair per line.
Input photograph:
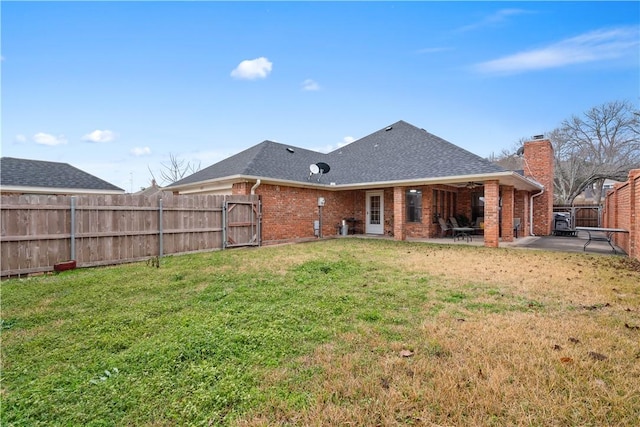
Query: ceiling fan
x,y
471,185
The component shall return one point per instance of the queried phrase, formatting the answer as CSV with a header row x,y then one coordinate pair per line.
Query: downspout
x,y
256,185
531,211
258,226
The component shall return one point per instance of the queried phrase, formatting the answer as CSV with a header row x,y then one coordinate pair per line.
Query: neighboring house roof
x,y
152,190
37,176
399,153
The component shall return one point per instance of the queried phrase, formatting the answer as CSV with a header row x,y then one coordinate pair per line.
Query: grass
x,y
339,332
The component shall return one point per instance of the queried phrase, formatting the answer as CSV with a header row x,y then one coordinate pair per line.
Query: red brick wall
x,y
538,164
423,228
389,212
241,188
621,210
427,224
288,213
634,227
464,202
521,210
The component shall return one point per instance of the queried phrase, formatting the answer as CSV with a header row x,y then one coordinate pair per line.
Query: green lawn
x,y
346,331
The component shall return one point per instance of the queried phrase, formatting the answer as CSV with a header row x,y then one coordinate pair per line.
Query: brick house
x,y
25,176
396,181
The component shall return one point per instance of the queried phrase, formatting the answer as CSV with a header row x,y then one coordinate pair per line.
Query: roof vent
x,y
289,149
388,128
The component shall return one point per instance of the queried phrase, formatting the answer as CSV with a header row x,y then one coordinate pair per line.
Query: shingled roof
x,y
41,176
402,151
399,152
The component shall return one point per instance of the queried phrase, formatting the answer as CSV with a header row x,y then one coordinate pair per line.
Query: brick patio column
x,y
525,224
399,202
507,213
491,213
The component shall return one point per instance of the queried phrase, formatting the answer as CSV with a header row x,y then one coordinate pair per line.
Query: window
x,y
374,209
444,204
477,205
414,205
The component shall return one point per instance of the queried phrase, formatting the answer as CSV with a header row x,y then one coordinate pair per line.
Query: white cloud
x,y
258,68
494,19
99,136
594,46
310,85
48,139
21,138
140,151
329,148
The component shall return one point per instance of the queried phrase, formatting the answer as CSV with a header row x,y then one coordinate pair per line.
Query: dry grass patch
x,y
503,337
514,369
582,279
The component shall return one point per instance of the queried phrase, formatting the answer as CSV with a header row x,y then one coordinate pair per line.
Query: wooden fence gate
x,y
242,222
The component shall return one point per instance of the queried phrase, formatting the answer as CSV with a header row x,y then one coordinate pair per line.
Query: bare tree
x,y
509,158
175,170
602,144
569,168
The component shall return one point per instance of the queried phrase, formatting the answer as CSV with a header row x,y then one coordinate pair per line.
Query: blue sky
x,y
114,88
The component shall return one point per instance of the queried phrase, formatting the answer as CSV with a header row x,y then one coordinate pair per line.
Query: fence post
x,y
73,227
259,221
160,230
224,222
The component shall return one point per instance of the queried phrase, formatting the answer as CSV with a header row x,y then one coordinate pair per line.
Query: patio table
x,y
462,233
600,234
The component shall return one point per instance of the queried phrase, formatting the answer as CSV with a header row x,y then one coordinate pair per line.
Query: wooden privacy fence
x,y
39,231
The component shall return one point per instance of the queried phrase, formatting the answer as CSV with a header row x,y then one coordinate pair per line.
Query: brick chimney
x,y
539,165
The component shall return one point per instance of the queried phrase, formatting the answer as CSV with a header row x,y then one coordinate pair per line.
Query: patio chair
x,y
444,227
454,222
516,226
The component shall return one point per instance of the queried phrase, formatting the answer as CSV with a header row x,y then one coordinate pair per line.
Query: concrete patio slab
x,y
565,244
549,243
